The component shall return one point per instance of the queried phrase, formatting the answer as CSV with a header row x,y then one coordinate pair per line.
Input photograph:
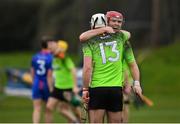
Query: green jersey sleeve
x,y
125,66
127,71
128,52
86,49
69,63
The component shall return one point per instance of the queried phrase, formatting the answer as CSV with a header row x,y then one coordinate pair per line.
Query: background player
x,y
41,72
65,85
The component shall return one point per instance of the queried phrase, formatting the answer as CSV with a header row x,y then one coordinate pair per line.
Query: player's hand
x,y
85,96
76,90
108,29
127,89
50,89
137,88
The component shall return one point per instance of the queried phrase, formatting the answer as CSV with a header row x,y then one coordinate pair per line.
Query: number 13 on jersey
x,y
113,44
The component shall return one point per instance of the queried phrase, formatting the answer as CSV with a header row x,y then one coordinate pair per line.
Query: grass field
x,y
19,109
160,79
159,74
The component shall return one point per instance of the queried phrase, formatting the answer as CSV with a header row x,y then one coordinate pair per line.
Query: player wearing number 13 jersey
x,y
102,70
107,52
105,89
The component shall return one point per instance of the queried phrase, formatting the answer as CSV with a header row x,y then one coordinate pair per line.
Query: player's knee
x,y
96,120
49,107
37,108
116,120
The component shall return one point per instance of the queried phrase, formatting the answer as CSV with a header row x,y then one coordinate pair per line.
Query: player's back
x,y
62,72
107,55
42,62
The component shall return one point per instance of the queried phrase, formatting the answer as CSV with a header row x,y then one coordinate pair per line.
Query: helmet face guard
x,y
98,20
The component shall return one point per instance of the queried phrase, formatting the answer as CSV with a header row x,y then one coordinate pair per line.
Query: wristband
x,y
136,82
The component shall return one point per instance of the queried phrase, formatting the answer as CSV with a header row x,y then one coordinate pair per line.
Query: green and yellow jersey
x,y
62,73
108,52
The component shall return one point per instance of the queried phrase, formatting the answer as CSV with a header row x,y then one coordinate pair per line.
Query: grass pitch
x,y
159,77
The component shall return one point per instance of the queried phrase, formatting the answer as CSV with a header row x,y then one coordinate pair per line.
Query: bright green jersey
x,y
62,73
107,54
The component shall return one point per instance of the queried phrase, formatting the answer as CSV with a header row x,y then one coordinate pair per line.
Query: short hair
x,y
45,40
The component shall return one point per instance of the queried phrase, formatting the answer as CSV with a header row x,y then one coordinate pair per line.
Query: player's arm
x,y
72,69
129,56
134,70
50,74
91,33
32,72
50,80
87,71
75,88
127,85
136,77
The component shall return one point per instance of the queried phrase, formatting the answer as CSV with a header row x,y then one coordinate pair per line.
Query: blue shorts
x,y
40,90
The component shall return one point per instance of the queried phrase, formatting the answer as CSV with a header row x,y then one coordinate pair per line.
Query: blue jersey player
x,y
41,70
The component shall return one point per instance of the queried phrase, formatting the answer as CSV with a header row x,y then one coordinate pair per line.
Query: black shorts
x,y
60,93
108,98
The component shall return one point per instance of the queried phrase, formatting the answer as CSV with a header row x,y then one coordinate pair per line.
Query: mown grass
x,y
17,109
159,77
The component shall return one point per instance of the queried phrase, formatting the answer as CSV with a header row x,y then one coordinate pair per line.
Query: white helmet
x,y
98,20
